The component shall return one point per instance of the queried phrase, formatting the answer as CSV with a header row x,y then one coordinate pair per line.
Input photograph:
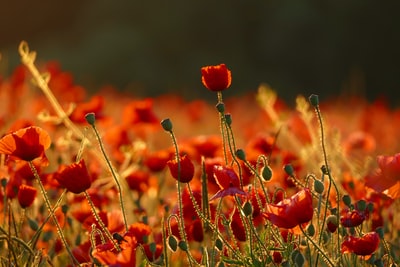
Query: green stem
x,y
179,187
113,174
50,210
100,222
328,172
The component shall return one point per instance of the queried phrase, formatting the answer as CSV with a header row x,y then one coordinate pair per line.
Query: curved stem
x,y
113,174
50,210
100,222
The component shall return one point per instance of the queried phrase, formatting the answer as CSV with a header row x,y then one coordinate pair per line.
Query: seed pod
x,y
266,173
173,243
319,186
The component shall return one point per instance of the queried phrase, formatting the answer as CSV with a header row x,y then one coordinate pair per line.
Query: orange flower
x,y
26,144
362,246
74,177
292,211
186,169
26,195
216,78
386,178
228,181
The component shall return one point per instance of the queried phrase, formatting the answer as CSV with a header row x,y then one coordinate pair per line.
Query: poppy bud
x,y
311,230
183,245
228,119
240,154
266,173
167,125
288,168
314,100
220,107
173,243
318,186
247,209
218,244
90,118
346,200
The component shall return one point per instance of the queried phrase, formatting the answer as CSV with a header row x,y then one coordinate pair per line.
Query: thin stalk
x,y
28,59
179,188
100,222
50,210
113,174
328,172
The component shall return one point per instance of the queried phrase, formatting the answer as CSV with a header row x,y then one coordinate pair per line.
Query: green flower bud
x,y
167,125
183,245
361,205
247,209
288,168
319,186
314,100
220,107
311,230
173,243
90,118
266,173
240,154
33,224
218,244
380,231
228,119
346,200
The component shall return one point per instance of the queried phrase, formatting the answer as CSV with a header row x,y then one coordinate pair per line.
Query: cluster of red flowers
x,y
224,189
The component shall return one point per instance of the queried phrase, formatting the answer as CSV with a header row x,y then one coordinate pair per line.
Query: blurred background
x,y
329,48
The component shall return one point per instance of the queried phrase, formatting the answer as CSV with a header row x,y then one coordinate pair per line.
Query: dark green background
x,y
148,47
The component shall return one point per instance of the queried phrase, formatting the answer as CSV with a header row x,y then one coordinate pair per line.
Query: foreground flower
x,y
26,144
387,178
228,182
186,172
74,177
292,211
362,246
216,78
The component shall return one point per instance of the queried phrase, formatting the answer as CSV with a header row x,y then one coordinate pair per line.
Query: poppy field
x,y
109,179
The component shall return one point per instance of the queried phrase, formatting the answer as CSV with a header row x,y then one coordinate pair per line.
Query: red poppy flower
x,y
216,78
106,254
292,211
362,246
186,169
387,177
352,218
157,161
26,144
228,181
26,195
74,177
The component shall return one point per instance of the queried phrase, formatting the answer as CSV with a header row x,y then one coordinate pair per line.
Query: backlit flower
x,y
387,178
26,144
228,181
26,195
292,211
362,246
352,218
216,78
185,173
74,177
